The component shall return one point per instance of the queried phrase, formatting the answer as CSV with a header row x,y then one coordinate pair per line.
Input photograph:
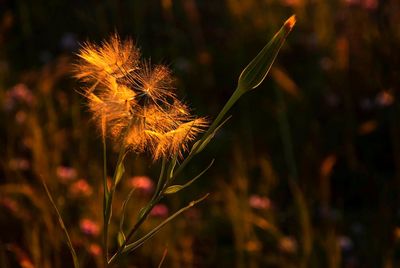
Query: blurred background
x,y
307,171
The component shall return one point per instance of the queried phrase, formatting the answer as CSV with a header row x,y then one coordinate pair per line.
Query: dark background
x,y
317,144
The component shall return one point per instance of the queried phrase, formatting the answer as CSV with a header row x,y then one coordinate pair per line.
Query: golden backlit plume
x,y
115,58
133,103
155,84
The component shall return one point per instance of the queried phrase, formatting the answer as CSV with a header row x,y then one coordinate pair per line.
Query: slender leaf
x,y
304,218
201,144
119,172
163,257
176,188
121,238
172,166
256,71
121,222
250,78
160,178
131,247
60,220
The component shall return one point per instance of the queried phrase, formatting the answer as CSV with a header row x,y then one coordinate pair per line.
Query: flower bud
x,y
254,73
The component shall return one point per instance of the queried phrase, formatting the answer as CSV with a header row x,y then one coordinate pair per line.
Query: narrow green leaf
x,y
304,218
121,222
176,188
106,190
131,247
173,189
60,220
141,212
160,181
163,257
172,166
254,73
120,238
250,78
119,172
201,144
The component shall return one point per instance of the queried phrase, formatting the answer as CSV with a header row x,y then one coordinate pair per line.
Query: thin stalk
x,y
285,131
131,247
300,201
160,178
232,100
142,218
105,201
110,197
60,220
107,209
163,258
135,228
154,200
250,78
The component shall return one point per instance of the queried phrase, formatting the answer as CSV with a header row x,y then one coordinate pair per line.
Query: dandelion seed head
x,y
154,84
175,141
134,103
114,58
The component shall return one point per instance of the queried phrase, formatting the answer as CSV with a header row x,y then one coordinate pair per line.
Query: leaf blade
x,y
256,71
176,188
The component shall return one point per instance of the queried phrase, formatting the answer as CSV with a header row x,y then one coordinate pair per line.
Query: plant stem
x,y
135,228
60,220
228,105
138,243
160,178
143,216
105,201
300,201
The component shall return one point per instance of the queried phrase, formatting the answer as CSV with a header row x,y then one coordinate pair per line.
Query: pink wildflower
x,y
95,249
89,227
20,93
142,183
80,188
159,211
259,202
65,173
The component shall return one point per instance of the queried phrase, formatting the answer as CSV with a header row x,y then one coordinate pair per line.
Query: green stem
x,y
140,221
232,100
109,195
300,201
143,215
105,201
60,220
131,247
285,131
160,178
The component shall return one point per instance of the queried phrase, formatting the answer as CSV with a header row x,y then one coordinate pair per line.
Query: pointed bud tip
x,y
290,22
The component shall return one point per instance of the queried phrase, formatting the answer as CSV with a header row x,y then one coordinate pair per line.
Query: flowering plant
x,y
134,105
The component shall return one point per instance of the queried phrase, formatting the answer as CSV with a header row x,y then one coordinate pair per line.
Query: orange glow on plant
x,y
134,103
290,22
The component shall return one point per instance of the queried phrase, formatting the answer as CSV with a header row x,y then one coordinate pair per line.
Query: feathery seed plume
x,y
133,103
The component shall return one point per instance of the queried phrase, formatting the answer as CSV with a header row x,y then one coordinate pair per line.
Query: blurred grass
x,y
327,196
